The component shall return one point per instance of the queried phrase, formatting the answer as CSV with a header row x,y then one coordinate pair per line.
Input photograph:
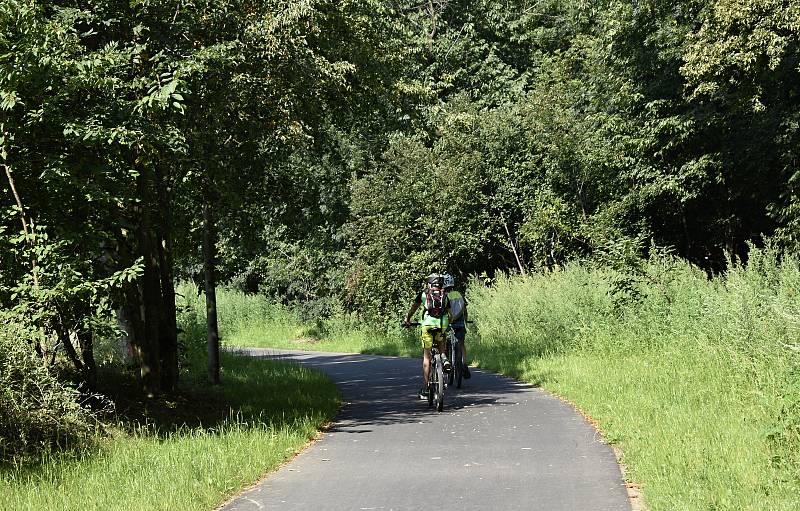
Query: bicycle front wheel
x,y
431,383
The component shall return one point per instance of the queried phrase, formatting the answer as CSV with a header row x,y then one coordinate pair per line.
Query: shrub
x,y
37,411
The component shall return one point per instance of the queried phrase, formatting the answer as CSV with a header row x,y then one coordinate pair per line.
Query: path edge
x,y
634,490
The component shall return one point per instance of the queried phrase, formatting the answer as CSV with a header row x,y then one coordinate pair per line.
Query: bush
x,y
37,411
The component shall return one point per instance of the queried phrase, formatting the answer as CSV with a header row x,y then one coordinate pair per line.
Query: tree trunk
x,y
133,315
64,338
28,235
152,304
41,349
430,35
209,261
514,249
86,340
169,326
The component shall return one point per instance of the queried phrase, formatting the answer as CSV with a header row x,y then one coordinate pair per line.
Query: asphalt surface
x,y
498,444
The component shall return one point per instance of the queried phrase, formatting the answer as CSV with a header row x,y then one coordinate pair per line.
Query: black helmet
x,y
434,279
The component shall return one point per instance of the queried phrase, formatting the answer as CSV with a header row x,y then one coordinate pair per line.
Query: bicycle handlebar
x,y
416,323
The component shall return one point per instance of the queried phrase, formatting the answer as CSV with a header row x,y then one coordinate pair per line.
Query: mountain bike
x,y
435,378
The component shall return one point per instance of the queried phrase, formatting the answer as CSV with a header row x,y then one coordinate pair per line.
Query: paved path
x,y
498,444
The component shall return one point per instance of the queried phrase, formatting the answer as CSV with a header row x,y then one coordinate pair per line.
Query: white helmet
x,y
449,280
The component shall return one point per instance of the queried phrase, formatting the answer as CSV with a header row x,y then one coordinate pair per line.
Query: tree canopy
x,y
333,152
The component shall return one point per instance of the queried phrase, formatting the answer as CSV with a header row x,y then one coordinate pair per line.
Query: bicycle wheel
x,y
439,387
431,382
451,352
458,364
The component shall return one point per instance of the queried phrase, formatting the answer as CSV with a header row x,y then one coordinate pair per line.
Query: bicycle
x,y
435,378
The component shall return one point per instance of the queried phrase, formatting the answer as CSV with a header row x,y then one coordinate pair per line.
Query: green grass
x,y
696,381
264,412
254,321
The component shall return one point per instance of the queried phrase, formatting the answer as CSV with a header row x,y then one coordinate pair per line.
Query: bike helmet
x,y
449,280
434,279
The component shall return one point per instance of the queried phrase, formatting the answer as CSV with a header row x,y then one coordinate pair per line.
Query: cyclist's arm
x,y
415,305
411,312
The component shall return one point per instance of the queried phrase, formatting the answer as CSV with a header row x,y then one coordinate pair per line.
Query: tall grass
x,y
697,381
255,321
262,414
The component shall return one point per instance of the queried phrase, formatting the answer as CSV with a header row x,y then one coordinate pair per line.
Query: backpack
x,y
457,306
435,302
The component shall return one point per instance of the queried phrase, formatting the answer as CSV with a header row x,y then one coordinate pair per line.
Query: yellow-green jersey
x,y
429,320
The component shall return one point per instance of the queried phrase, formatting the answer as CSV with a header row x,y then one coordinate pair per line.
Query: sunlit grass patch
x,y
253,321
271,410
689,429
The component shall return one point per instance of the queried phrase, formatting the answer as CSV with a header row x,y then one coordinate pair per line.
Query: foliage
x,y
39,412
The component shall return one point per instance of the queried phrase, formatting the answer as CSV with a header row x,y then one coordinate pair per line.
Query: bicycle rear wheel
x,y
439,391
431,382
458,364
451,352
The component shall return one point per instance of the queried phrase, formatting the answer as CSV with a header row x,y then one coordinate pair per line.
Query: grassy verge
x,y
697,381
191,451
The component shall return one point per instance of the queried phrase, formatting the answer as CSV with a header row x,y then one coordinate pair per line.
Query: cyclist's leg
x,y
461,335
427,343
440,343
426,366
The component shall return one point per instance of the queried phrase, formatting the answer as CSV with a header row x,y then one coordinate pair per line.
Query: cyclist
x,y
435,319
458,317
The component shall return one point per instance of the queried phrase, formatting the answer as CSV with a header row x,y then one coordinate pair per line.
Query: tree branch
x,y
514,249
28,236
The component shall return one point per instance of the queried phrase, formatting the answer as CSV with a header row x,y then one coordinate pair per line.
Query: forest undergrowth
x,y
697,381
